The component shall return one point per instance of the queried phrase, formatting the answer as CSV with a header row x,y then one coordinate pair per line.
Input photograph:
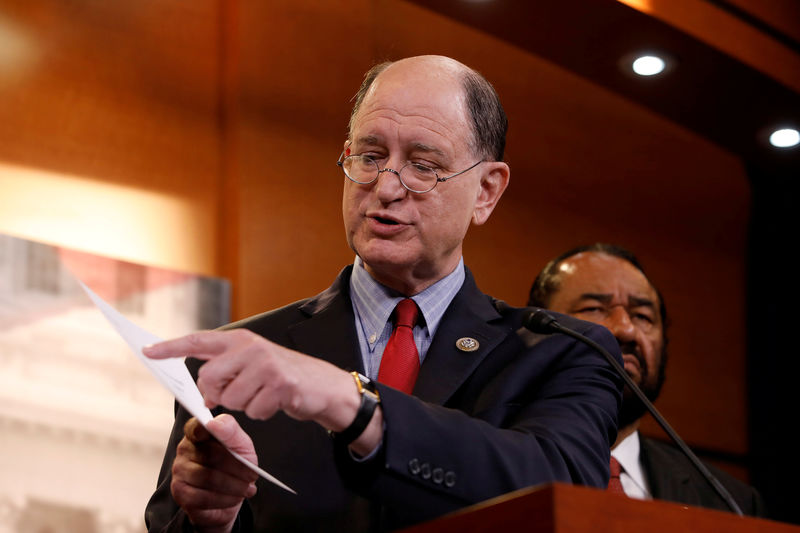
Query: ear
x,y
493,183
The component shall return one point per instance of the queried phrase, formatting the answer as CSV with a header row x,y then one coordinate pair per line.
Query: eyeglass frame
x,y
340,164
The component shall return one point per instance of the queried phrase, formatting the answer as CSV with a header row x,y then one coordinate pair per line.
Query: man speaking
x,y
401,392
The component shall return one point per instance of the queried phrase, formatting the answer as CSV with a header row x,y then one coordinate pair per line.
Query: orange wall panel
x,y
233,120
122,94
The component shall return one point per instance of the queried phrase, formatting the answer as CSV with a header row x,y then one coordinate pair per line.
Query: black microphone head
x,y
539,321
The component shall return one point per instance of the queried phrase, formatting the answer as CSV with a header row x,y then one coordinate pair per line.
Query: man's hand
x,y
208,482
246,372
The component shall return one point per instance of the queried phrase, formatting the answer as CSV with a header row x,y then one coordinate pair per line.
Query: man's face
x,y
609,291
414,112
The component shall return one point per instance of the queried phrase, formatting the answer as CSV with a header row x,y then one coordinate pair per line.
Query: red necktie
x,y
614,483
400,360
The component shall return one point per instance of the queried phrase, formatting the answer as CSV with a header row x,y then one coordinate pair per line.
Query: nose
x,y
391,170
388,186
619,323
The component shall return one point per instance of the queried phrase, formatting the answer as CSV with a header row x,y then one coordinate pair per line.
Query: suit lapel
x,y
446,367
329,332
671,483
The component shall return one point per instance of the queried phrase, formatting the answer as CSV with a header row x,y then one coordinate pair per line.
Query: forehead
x,y
416,102
600,273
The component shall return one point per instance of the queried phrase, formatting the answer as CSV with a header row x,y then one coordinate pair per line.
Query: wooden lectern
x,y
561,508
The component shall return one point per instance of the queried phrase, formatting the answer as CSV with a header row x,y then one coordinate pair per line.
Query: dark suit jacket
x,y
674,478
521,410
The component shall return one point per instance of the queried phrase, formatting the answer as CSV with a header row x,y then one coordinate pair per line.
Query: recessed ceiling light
x,y
648,65
784,138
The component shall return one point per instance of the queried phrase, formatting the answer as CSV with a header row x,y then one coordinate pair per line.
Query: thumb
x,y
227,430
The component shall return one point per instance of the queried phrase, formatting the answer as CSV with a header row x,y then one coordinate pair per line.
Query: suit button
x,y
413,466
449,479
425,471
438,476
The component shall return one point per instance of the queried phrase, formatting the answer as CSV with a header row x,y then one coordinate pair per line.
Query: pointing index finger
x,y
200,345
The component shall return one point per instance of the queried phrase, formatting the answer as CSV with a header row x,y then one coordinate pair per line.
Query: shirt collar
x,y
375,302
627,453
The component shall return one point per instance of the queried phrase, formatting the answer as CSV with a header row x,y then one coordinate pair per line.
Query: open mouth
x,y
386,221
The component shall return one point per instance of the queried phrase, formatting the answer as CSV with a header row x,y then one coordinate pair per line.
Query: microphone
x,y
540,321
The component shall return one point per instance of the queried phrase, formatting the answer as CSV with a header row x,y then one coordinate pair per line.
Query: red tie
x,y
614,483
400,360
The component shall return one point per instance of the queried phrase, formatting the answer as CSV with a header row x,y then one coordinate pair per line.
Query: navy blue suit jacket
x,y
521,410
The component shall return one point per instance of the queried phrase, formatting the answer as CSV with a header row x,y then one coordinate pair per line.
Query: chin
x,y
386,254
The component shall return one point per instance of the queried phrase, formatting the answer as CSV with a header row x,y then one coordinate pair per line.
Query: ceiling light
x,y
648,65
784,138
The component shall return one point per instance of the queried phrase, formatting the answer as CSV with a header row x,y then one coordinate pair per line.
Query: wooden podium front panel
x,y
561,508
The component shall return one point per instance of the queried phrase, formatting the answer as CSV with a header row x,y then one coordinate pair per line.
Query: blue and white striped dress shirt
x,y
373,304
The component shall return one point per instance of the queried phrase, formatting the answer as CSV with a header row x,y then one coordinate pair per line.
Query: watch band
x,y
369,401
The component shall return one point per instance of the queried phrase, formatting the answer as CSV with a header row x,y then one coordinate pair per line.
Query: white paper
x,y
172,373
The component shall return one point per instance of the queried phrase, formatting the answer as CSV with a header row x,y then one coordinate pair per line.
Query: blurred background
x,y
201,137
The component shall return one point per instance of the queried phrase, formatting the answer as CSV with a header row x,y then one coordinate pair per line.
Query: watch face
x,y
363,382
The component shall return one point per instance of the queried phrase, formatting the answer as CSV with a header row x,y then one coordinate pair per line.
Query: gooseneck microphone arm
x,y
540,321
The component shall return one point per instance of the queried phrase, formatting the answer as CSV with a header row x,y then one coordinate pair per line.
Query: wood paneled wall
x,y
121,94
240,109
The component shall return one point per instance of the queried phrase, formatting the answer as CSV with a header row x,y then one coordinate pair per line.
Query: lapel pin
x,y
467,344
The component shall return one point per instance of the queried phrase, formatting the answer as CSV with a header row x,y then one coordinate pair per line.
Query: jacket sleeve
x,y
162,514
549,415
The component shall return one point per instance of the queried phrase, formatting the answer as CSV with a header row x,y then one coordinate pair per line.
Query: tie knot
x,y
615,467
406,313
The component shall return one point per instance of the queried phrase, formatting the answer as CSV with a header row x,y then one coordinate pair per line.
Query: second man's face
x,y
610,291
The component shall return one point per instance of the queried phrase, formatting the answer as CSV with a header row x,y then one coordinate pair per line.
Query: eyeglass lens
x,y
414,176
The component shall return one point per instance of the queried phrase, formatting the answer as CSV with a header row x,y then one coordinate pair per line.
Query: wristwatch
x,y
369,401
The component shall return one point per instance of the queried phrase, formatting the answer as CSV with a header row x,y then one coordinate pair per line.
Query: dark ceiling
x,y
707,91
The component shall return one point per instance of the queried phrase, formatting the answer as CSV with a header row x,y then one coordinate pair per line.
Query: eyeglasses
x,y
414,177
